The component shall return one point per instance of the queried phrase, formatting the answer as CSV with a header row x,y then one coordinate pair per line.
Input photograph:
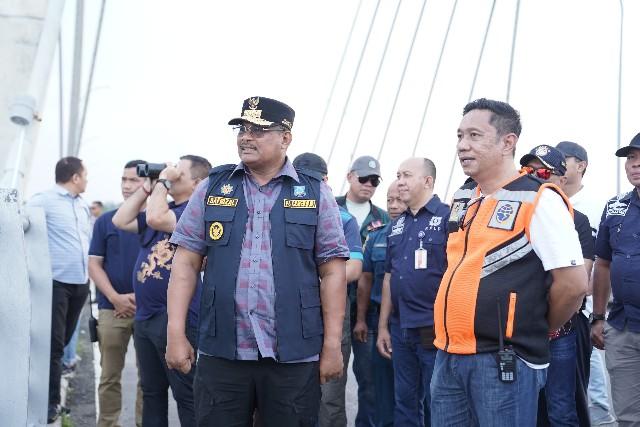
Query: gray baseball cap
x,y
571,149
366,166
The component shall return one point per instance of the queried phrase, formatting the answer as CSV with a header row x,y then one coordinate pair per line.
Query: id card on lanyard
x,y
420,255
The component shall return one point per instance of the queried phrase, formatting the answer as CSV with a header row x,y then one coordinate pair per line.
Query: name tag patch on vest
x,y
456,211
216,230
222,201
300,204
504,215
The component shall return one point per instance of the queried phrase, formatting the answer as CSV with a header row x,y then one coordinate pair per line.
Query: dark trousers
x,y
382,373
150,339
228,392
583,365
67,301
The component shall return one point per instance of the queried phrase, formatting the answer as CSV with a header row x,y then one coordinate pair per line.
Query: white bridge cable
x,y
373,89
619,95
435,77
353,82
335,80
513,49
401,82
473,87
91,72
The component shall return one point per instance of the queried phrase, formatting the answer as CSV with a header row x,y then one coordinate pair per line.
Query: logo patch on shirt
x,y
374,224
435,221
398,227
299,191
456,211
300,204
222,201
617,208
504,215
226,189
216,230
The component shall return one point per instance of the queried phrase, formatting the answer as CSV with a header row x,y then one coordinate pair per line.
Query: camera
x,y
150,170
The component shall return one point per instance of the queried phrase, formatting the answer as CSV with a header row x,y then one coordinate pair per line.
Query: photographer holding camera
x,y
151,278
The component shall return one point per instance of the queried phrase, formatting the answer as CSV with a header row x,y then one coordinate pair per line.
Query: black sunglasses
x,y
373,179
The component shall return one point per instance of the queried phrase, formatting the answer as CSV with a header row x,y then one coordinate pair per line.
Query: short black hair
x,y
67,167
134,163
97,203
200,166
504,117
429,168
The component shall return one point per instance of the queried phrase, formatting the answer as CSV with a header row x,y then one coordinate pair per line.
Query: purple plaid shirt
x,y
255,290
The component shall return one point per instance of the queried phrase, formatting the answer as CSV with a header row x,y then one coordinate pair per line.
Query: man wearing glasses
x,y
564,395
364,178
274,283
514,274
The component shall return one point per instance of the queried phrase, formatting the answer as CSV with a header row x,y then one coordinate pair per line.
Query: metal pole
x,y
91,72
472,89
373,89
619,95
76,82
404,72
353,82
61,93
513,49
335,80
435,77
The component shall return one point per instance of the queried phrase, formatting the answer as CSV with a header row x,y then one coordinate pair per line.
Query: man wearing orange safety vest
x,y
514,274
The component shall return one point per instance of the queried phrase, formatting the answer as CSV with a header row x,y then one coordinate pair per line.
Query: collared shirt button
x,y
400,277
405,257
259,212
415,219
410,238
258,236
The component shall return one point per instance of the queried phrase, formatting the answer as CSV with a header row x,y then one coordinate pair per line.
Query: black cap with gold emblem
x,y
265,112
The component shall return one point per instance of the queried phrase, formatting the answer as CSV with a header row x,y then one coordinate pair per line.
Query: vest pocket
x,y
207,313
311,310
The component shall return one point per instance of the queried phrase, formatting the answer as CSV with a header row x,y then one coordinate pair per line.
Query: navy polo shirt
x,y
619,242
413,292
375,253
119,250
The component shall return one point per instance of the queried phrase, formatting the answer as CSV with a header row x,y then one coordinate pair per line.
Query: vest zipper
x,y
446,294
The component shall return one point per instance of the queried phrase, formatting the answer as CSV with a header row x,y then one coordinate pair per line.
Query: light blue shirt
x,y
69,231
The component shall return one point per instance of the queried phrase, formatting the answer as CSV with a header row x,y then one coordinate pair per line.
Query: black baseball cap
x,y
624,151
312,162
548,156
571,149
265,112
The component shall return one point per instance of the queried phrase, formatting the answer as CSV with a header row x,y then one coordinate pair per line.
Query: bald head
x,y
416,177
395,205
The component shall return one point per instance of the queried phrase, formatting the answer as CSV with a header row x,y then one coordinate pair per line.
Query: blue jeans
x,y
465,391
69,356
598,390
560,389
382,373
362,371
412,369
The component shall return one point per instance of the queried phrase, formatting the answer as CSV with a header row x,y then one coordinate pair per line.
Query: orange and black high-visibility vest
x,y
491,262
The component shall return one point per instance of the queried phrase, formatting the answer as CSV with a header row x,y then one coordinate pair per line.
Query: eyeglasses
x,y
462,221
373,179
256,131
542,173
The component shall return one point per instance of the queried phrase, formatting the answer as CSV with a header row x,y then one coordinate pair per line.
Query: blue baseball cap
x,y
624,151
549,156
571,149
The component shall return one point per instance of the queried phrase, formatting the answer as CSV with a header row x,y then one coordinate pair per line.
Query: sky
x,y
170,75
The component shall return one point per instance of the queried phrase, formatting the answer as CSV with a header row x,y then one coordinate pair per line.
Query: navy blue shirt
x,y
375,253
351,234
413,291
119,250
619,242
153,269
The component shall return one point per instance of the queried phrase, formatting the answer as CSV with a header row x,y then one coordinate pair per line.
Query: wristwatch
x,y
165,182
593,317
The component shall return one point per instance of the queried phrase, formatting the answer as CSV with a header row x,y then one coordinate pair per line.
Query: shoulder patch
x,y
504,215
617,206
398,227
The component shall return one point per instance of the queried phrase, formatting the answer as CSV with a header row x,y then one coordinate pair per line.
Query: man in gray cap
x,y
577,162
364,178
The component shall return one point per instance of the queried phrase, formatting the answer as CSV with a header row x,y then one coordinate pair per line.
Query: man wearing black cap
x,y
364,178
332,406
274,283
591,205
564,397
617,268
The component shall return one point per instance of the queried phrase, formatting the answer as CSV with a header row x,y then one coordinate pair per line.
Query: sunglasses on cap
x,y
542,173
373,179
256,131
